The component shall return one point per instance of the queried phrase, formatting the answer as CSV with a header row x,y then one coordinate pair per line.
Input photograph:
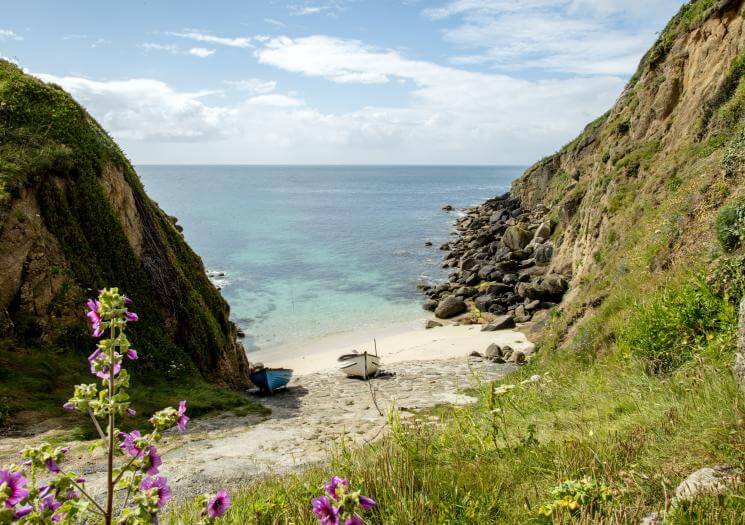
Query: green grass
x,y
34,384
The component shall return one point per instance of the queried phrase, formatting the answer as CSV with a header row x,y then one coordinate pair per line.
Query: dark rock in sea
x,y
450,307
428,243
447,207
239,333
430,305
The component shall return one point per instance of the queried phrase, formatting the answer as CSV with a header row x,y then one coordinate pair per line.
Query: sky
x,y
337,81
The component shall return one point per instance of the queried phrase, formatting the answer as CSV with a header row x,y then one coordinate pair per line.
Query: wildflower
x,y
129,444
367,503
131,316
132,354
155,461
49,503
94,316
23,511
218,505
159,484
326,513
354,519
11,486
69,406
100,365
52,466
337,487
131,411
182,417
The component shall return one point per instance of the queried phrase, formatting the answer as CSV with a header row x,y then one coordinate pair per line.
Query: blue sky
x,y
337,81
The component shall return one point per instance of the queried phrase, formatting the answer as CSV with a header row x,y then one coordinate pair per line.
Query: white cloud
x,y
7,34
274,22
574,36
146,109
276,100
253,85
244,42
201,52
149,46
452,115
311,7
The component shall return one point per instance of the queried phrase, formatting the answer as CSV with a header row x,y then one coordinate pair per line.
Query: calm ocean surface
x,y
309,251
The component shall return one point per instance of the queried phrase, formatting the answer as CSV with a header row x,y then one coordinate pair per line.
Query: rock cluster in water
x,y
501,266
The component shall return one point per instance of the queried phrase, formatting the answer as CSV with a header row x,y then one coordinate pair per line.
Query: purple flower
x,y
49,503
337,487
69,406
219,504
132,354
127,300
14,485
160,484
326,513
131,411
52,466
129,445
100,360
354,520
23,511
94,316
131,316
367,503
183,419
155,461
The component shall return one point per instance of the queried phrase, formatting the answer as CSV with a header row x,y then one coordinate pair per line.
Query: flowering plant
x,y
134,493
340,505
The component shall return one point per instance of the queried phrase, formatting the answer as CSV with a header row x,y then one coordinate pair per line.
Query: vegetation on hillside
x,y
51,146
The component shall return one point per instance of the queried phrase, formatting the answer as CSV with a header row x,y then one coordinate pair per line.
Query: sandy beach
x,y
424,368
396,343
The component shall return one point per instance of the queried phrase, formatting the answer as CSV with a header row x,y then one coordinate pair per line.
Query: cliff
x,y
74,217
635,196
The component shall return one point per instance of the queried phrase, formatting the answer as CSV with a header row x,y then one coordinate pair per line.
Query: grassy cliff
x,y
74,218
635,387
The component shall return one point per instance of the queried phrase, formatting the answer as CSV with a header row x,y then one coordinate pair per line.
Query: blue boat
x,y
270,380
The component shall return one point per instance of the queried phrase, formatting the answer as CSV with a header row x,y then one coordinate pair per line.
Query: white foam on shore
x,y
396,343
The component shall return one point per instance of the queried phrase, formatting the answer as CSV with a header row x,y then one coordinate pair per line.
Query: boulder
x,y
447,207
430,305
466,291
517,357
483,302
543,231
497,289
543,253
503,322
516,238
450,307
475,354
709,480
510,279
497,309
493,351
521,315
486,270
428,243
432,324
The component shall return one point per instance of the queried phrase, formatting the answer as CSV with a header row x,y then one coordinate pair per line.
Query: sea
x,y
307,251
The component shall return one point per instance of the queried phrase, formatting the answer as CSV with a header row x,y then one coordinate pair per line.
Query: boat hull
x,y
271,380
359,365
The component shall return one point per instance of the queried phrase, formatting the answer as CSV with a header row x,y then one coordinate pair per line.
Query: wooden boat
x,y
362,365
270,379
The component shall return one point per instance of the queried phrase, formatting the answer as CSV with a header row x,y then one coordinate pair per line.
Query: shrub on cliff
x,y
676,323
730,225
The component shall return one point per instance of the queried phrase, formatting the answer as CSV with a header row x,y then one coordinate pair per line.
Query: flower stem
x,y
97,425
110,467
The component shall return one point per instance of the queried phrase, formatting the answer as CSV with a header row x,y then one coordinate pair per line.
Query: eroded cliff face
x,y
74,218
638,188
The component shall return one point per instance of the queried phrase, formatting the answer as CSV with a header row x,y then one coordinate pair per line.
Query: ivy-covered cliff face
x,y
635,196
74,218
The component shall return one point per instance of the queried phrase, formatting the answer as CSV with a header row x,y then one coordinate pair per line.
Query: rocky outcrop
x,y
500,261
74,218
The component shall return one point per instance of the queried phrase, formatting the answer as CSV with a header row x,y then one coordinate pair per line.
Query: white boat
x,y
362,365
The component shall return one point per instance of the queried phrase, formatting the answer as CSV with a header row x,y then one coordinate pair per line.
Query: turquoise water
x,y
309,251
